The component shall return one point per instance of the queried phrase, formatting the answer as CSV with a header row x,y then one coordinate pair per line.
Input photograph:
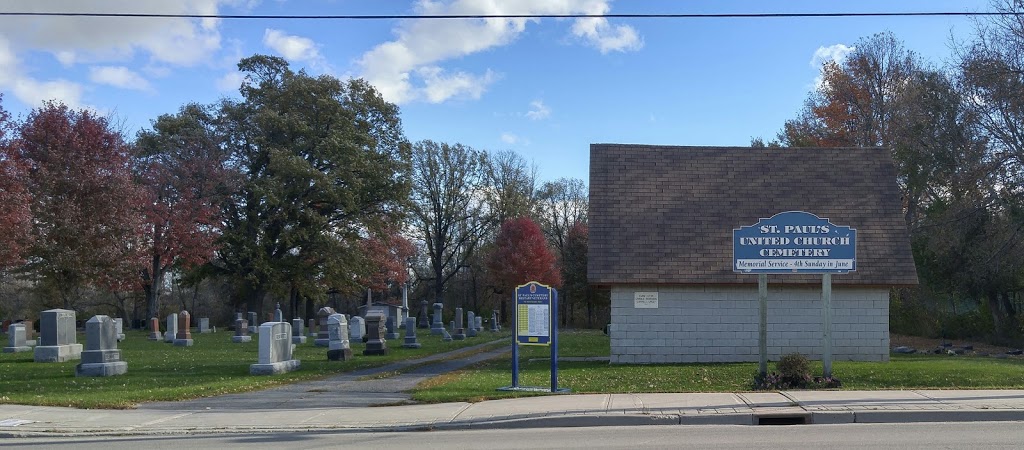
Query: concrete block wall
x,y
719,324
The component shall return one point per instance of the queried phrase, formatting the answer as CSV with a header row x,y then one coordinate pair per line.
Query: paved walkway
x,y
354,389
351,402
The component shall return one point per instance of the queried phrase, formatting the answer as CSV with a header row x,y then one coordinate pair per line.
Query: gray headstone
x,y
322,316
437,326
311,328
494,321
424,320
376,343
459,328
338,348
278,315
16,339
410,334
479,323
57,339
204,325
357,328
445,336
101,357
275,354
241,331
471,327
252,322
172,328
298,332
391,325
119,328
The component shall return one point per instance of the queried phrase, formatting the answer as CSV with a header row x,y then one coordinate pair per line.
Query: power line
x,y
513,16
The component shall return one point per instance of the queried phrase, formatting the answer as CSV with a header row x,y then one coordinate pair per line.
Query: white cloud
x,y
538,110
394,67
836,53
32,91
230,82
509,138
120,77
294,48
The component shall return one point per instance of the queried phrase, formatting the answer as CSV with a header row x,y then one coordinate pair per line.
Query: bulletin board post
x,y
535,318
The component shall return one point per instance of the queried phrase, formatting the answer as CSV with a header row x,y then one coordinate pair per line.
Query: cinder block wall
x,y
720,324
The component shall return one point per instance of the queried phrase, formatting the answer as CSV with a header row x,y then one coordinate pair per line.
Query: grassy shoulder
x,y
162,372
903,372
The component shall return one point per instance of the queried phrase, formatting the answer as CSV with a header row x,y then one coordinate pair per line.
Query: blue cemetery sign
x,y
536,323
794,242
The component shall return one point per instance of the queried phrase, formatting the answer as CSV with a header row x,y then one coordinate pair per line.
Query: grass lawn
x,y
903,372
159,372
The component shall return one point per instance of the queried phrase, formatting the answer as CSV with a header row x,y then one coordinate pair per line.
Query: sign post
x,y
795,242
535,318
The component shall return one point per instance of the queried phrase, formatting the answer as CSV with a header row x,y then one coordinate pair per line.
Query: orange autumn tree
x,y
520,255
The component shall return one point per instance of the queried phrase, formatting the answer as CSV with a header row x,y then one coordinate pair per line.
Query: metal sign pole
x,y
762,330
554,340
826,311
515,342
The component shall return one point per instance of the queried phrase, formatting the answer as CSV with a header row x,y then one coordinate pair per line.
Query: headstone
x,y
298,332
494,321
338,348
16,342
57,339
471,327
278,315
391,325
204,325
376,343
356,329
424,321
252,323
172,328
312,328
445,336
459,328
154,329
30,333
241,331
437,326
410,333
479,324
118,328
184,336
322,336
275,350
101,357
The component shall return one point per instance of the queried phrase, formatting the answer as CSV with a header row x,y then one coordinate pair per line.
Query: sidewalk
x,y
812,407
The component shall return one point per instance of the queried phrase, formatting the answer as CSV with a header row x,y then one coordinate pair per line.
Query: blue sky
x,y
545,89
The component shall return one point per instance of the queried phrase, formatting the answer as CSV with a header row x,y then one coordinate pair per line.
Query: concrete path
x,y
787,407
363,388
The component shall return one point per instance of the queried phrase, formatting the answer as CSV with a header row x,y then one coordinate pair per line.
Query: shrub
x,y
794,366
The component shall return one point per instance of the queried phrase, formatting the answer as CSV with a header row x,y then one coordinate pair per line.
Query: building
x,y
661,220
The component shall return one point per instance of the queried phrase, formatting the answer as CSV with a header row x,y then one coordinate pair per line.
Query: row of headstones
x,y
460,331
58,342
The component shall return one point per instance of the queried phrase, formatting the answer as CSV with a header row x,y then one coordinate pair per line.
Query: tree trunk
x,y
996,311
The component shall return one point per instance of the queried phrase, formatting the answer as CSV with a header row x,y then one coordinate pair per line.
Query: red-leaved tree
x,y
85,204
388,254
182,169
15,214
521,255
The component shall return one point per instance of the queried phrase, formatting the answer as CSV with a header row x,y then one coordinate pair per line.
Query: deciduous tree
x,y
521,254
15,212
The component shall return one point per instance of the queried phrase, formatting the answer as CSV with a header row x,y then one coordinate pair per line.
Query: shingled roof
x,y
665,214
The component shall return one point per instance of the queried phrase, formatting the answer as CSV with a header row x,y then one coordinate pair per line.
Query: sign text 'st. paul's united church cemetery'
x,y
794,242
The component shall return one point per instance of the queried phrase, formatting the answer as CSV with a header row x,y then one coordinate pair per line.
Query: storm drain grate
x,y
797,419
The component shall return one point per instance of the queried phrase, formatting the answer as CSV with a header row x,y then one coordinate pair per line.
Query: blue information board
x,y
794,242
533,313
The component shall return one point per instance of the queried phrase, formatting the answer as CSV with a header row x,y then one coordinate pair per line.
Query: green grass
x,y
903,372
162,372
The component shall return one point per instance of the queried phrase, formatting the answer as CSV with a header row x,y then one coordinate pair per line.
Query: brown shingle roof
x,y
665,214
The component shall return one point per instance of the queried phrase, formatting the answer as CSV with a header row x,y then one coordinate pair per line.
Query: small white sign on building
x,y
645,300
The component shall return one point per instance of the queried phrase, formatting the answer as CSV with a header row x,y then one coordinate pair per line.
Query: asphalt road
x,y
930,436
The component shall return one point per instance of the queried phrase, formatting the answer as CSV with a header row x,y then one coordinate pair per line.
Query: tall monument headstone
x,y
323,334
460,331
298,332
376,343
172,328
184,336
253,324
278,315
154,330
494,322
357,329
471,328
437,326
57,339
410,334
424,320
119,329
391,325
101,357
338,348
